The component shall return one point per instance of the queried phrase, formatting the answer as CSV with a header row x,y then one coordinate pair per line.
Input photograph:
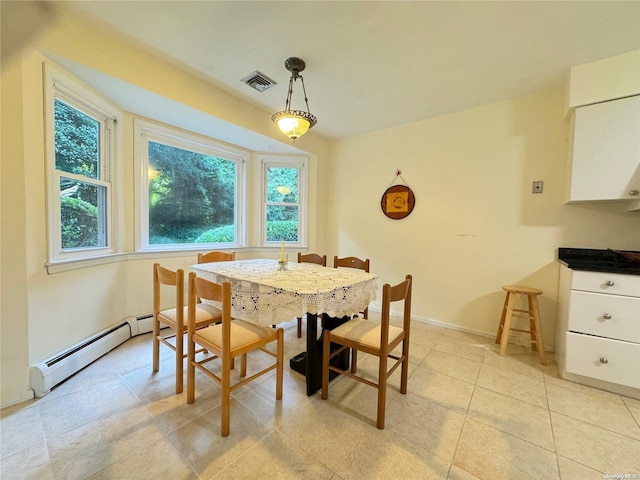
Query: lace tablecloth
x,y
262,294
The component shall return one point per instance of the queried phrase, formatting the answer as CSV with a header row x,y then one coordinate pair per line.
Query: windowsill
x,y
79,263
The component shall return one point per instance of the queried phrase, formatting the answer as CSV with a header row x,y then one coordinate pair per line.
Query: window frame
x,y
302,163
60,86
145,131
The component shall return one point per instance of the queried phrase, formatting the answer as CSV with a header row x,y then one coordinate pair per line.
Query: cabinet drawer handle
x,y
606,316
603,360
634,192
609,283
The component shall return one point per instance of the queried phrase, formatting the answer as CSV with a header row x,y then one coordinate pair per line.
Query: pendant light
x,y
294,123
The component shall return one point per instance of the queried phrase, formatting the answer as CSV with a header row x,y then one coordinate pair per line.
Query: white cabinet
x,y
605,159
598,336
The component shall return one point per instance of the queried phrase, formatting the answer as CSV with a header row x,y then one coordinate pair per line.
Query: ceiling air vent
x,y
259,81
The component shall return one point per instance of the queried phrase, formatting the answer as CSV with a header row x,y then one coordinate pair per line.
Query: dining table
x,y
267,292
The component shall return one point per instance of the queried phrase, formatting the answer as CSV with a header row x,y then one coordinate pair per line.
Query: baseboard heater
x,y
53,371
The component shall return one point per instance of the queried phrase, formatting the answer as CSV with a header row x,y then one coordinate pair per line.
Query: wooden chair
x,y
226,341
353,262
216,256
174,318
310,258
377,339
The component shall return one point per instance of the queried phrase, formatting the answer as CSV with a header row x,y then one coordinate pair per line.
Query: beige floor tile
x,y
358,399
325,431
523,387
454,346
595,447
518,359
158,460
117,419
66,412
384,455
452,365
200,444
275,456
84,451
570,470
512,416
31,463
596,394
20,429
446,391
425,423
471,338
634,408
456,473
488,453
610,415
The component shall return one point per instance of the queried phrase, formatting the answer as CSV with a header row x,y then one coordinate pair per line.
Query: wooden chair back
x,y
216,256
312,258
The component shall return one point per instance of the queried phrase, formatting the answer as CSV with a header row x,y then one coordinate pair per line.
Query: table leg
x,y
309,363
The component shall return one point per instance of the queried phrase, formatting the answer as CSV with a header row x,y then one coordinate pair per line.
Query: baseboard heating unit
x,y
53,371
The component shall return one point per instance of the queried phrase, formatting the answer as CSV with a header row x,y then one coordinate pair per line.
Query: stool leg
x,y
506,328
532,323
502,317
536,319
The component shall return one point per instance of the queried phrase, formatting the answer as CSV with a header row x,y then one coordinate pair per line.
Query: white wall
x,y
476,225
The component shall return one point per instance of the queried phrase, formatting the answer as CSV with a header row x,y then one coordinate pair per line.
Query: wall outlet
x,y
537,186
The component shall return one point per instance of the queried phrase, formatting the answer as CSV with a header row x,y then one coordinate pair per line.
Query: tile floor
x,y
469,414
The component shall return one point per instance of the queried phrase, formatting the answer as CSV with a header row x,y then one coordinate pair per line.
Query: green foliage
x,y
226,234
76,140
286,230
79,220
190,192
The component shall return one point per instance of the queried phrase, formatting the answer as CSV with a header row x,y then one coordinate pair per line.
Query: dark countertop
x,y
598,261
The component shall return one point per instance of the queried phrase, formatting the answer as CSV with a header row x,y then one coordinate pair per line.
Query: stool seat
x,y
532,313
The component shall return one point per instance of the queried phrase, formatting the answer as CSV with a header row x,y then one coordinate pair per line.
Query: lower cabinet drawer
x,y
611,316
602,358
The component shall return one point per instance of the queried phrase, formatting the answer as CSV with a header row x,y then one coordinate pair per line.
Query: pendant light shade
x,y
294,123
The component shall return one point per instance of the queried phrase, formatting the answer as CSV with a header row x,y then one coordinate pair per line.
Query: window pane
x,y
82,214
77,137
282,184
282,223
192,197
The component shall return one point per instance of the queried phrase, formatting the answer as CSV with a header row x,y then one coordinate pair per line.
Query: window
x,y
284,194
81,167
191,190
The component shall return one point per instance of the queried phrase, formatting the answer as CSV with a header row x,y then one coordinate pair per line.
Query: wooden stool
x,y
533,314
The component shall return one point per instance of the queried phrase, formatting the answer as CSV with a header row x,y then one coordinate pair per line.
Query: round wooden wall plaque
x,y
397,202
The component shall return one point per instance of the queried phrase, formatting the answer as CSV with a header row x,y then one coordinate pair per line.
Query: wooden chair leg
x,y
191,372
225,377
538,328
382,391
299,327
506,328
156,345
280,368
354,361
243,365
404,375
179,361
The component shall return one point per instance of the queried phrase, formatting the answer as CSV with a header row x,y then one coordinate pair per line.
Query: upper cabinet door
x,y
606,151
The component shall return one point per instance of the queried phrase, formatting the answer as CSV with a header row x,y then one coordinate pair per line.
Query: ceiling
x,y
372,65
